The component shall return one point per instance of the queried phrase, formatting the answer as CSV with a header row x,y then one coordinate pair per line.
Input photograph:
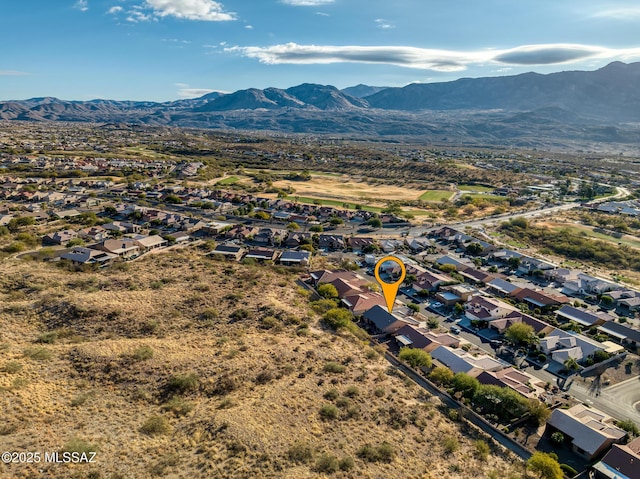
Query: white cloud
x,y
114,10
249,27
12,73
205,10
82,5
322,14
625,13
384,24
431,59
184,91
307,3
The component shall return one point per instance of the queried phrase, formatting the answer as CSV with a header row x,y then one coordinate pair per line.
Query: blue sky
x,y
168,49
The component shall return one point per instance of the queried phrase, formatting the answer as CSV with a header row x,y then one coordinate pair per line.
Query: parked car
x,y
455,330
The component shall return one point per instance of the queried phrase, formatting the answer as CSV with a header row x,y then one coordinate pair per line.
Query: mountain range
x,y
557,108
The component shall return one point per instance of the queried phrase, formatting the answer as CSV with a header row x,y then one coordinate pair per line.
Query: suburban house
x,y
359,303
94,233
296,239
147,243
501,287
431,281
459,360
582,317
624,334
621,462
591,432
502,324
295,258
484,308
359,244
529,265
539,299
241,232
125,248
420,338
563,345
59,237
81,255
326,276
122,227
228,251
262,254
381,321
331,242
270,236
512,378
459,264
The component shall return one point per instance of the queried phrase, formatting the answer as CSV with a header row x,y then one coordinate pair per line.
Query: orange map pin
x,y
390,290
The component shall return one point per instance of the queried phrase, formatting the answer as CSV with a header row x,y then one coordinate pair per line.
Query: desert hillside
x,y
179,365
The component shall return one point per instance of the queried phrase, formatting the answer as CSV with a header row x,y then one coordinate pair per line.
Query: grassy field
x,y
628,240
436,195
491,198
478,188
182,366
352,206
229,180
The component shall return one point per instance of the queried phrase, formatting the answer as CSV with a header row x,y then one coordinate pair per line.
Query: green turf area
x,y
515,244
228,181
324,202
436,195
631,241
479,188
490,198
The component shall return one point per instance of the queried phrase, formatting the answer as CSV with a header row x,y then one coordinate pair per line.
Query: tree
x,y
441,375
416,358
474,249
262,215
413,307
447,268
514,262
375,223
173,199
557,438
316,229
336,221
571,364
545,466
327,291
338,318
293,226
465,384
520,334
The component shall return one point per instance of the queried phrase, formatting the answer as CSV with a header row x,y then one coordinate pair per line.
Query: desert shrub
x,y
352,391
178,406
329,411
39,354
76,444
450,444
482,449
346,463
382,453
142,353
182,383
327,464
332,394
300,453
12,367
48,338
333,367
155,426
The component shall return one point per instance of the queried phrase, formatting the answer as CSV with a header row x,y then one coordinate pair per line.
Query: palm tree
x,y
571,364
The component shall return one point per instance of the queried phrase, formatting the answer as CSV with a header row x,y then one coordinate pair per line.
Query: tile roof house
x,y
486,308
327,276
621,462
59,237
420,338
501,324
539,299
262,254
567,344
332,242
228,251
591,431
382,321
147,243
80,255
509,377
431,281
295,258
621,332
502,287
582,316
94,233
359,303
126,248
459,360
358,244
